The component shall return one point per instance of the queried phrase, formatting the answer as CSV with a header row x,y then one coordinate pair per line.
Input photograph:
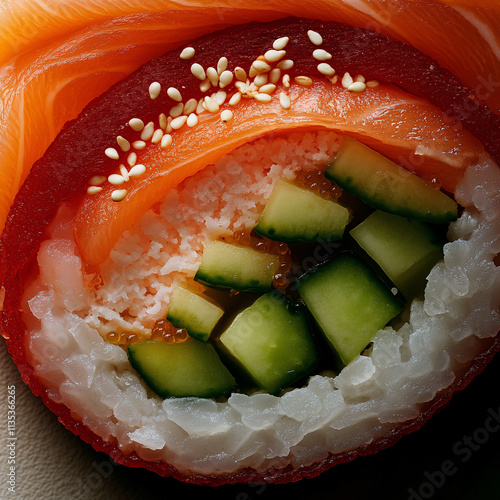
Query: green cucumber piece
x,y
271,342
293,214
193,312
405,249
240,268
383,184
349,302
181,369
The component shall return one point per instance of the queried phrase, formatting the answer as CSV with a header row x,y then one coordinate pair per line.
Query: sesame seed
x,y
347,80
174,94
112,153
357,87
157,136
176,110
274,55
187,53
263,98
132,159
261,66
321,55
154,90
225,79
280,43
213,76
286,80
219,97
116,179
166,141
211,105
94,189
315,37
226,115
178,122
372,83
192,120
97,180
334,79
199,107
305,81
275,75
139,145
267,89
326,69
190,106
162,120
136,124
124,172
148,131
285,64
240,74
284,101
360,78
169,127
235,99
118,194
222,65
123,143
205,85
260,79
198,71
137,170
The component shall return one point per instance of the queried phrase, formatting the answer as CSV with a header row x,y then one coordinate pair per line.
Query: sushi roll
x,y
262,254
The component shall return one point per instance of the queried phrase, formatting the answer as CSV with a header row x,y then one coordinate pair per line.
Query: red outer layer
x,y
63,172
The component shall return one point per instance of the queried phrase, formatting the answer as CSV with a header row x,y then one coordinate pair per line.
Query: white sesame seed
x,y
148,131
157,136
187,53
321,55
226,115
112,153
123,143
198,71
347,80
166,141
176,110
94,189
205,85
286,80
136,124
284,101
222,65
261,66
263,98
192,120
225,79
326,69
372,83
137,170
280,43
116,179
211,105
139,145
235,99
360,78
154,90
162,120
274,55
240,74
118,194
305,81
124,172
132,159
213,76
267,89
357,87
275,75
97,180
168,129
285,64
174,94
260,79
219,97
190,106
178,122
199,107
315,37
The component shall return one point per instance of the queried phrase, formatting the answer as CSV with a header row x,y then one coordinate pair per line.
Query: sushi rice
x,y
334,412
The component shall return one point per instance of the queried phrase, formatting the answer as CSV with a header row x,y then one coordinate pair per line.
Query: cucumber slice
x,y
271,342
296,214
180,370
383,184
406,250
240,268
194,313
349,302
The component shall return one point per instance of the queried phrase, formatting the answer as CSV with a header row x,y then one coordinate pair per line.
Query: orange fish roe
x,y
168,333
316,182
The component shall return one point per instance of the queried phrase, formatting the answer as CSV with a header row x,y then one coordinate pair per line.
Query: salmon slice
x,y
55,57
